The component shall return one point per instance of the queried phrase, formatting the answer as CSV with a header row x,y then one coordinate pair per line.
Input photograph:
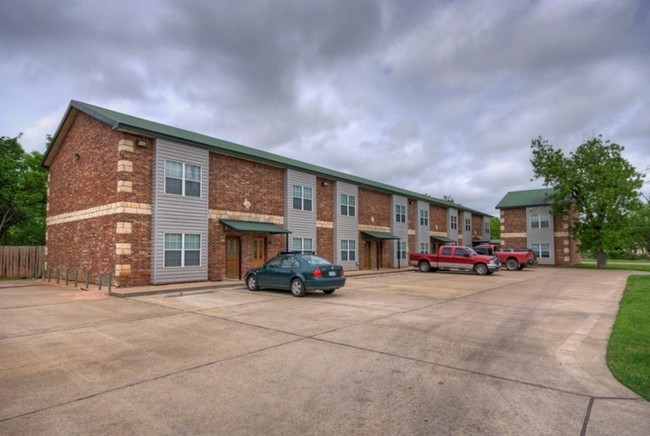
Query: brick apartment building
x,y
155,204
527,221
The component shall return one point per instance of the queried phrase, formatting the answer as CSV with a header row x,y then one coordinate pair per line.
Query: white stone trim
x,y
124,166
125,207
245,216
124,186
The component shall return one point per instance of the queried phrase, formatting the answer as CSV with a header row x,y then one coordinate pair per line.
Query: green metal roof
x,y
254,226
533,197
120,121
380,235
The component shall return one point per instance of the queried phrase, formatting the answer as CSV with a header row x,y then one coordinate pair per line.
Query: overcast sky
x,y
439,97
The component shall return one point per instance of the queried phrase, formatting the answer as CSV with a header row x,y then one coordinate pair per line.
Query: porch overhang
x,y
254,226
382,236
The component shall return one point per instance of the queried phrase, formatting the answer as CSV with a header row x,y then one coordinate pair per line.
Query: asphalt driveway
x,y
409,353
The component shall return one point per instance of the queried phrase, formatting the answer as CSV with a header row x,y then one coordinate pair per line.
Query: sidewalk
x,y
206,287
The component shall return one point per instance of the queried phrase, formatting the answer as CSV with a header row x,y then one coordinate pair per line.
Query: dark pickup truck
x,y
513,258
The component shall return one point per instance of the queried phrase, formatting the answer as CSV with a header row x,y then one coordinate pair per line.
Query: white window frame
x,y
424,247
401,250
400,213
468,224
302,244
486,227
305,198
453,223
539,250
348,250
184,249
540,221
348,205
424,217
184,178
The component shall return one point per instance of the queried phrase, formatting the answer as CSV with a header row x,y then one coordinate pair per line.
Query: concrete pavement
x,y
441,353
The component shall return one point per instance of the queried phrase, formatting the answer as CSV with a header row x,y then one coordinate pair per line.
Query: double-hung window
x,y
453,222
302,197
542,250
348,205
486,227
182,179
303,244
400,213
401,250
424,217
348,250
182,249
539,221
468,224
424,247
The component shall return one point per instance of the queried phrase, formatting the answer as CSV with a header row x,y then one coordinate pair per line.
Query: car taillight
x,y
318,273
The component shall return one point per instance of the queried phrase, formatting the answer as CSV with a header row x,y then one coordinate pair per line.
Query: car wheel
x,y
329,291
251,283
512,264
424,266
297,288
481,269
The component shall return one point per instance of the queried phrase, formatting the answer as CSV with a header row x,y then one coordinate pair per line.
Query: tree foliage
x,y
596,183
495,228
637,232
23,195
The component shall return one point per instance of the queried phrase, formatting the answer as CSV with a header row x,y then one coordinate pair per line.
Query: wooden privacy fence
x,y
21,262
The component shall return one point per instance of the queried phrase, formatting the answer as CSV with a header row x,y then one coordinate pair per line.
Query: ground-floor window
x,y
348,249
424,247
542,250
303,244
182,249
401,250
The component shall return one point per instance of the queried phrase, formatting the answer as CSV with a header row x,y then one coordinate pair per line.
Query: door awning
x,y
380,235
254,226
442,239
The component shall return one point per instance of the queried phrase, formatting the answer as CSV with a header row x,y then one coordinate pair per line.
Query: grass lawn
x,y
628,351
632,265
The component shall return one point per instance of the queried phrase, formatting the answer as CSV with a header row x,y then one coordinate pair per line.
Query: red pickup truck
x,y
513,259
455,258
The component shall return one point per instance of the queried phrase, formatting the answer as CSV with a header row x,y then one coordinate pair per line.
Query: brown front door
x,y
232,257
259,251
367,254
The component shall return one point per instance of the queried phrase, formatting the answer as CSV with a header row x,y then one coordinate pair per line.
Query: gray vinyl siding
x,y
541,236
467,234
486,228
178,213
422,233
301,223
346,227
399,229
452,233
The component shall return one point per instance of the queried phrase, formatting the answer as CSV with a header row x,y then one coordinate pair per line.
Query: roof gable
x,y
533,197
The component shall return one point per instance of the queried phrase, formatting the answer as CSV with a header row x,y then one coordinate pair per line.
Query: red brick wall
x,y
325,237
374,204
90,180
438,217
477,227
234,180
324,200
514,221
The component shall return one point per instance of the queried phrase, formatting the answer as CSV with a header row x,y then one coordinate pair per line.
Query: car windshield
x,y
315,260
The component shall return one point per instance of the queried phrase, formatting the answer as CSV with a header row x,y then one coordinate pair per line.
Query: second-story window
x,y
182,179
486,227
400,213
468,224
453,222
348,205
302,197
424,217
539,221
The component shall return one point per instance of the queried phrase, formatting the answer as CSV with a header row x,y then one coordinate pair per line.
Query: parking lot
x,y
518,352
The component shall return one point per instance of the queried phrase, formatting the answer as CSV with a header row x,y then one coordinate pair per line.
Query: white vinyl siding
x,y
346,225
303,244
399,228
300,207
540,233
183,170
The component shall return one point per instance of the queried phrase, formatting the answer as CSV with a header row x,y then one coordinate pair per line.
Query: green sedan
x,y
297,272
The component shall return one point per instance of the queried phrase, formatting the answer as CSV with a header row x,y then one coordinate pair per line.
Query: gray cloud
x,y
437,97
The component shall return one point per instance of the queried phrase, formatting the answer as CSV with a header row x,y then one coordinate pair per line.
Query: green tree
x,y
495,228
594,183
23,195
636,235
